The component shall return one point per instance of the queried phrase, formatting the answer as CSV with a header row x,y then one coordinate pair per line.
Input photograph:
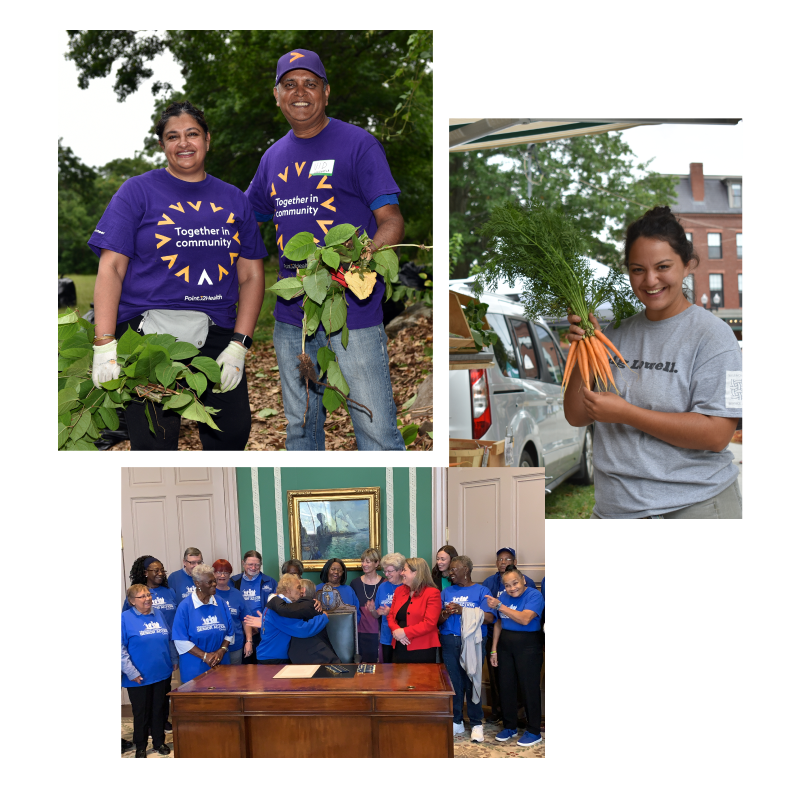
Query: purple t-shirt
x,y
183,240
310,185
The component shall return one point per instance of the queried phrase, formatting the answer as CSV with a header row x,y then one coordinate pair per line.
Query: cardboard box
x,y
457,324
470,453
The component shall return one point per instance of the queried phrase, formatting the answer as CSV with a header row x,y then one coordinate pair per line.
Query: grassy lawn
x,y
570,502
85,288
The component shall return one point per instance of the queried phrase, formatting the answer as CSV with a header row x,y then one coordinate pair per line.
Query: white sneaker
x,y
458,727
477,734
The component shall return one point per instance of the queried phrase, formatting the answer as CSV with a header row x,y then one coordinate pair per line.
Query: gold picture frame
x,y
340,523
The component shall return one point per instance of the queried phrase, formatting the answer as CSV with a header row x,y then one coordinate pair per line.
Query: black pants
x,y
519,667
402,654
386,651
252,659
274,661
233,418
147,705
368,646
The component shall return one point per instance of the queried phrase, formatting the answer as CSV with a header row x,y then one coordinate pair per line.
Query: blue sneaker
x,y
527,739
506,734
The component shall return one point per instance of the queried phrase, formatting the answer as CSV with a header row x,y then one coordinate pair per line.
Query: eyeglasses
x,y
143,597
220,572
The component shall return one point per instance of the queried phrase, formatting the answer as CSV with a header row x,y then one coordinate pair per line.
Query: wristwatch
x,y
244,339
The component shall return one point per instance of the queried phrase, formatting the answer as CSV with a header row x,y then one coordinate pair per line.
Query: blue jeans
x,y
462,685
365,365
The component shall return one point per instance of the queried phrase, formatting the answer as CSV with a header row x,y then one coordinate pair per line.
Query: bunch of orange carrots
x,y
591,354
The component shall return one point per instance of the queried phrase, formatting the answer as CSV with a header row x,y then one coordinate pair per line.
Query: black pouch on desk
x,y
186,325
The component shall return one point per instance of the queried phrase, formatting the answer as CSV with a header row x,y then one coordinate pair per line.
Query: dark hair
x,y
513,570
251,554
138,575
292,562
436,575
176,109
660,223
324,571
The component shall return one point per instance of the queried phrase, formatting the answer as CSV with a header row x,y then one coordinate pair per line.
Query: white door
x,y
166,510
490,508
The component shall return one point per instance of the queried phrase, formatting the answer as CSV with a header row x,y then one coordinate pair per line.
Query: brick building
x,y
711,209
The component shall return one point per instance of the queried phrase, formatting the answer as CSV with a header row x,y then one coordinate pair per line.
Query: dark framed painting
x,y
339,523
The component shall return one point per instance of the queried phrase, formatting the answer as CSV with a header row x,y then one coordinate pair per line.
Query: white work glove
x,y
104,363
232,364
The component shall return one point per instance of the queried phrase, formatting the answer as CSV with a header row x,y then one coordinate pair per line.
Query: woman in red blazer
x,y
414,615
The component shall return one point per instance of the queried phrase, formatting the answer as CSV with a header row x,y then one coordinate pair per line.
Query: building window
x,y
737,195
713,246
689,287
715,290
739,246
740,287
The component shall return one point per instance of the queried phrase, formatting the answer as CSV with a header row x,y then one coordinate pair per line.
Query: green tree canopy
x,y
380,80
596,178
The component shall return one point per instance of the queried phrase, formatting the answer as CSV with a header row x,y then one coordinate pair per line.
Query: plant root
x,y
309,374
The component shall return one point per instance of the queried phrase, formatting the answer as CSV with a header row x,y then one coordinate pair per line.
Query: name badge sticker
x,y
322,167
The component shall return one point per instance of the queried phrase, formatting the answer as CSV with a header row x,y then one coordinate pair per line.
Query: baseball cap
x,y
300,58
507,550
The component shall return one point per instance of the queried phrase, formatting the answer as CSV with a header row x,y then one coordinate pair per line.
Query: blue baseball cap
x,y
507,550
300,58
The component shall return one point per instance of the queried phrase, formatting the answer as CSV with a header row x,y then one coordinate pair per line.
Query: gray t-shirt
x,y
689,363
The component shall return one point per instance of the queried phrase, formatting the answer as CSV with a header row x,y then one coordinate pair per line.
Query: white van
x,y
522,392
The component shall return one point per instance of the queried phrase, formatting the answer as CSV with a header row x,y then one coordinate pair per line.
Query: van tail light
x,y
479,400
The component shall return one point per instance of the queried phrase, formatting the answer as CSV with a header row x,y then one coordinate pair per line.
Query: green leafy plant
x,y
345,261
474,313
155,368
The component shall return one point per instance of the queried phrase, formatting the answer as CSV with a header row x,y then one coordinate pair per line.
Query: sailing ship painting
x,y
334,528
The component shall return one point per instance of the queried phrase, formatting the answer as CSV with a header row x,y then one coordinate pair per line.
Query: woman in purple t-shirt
x,y
181,254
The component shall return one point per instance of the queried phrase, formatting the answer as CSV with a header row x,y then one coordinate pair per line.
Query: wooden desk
x,y
241,711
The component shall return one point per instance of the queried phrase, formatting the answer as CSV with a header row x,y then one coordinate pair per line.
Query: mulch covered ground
x,y
408,365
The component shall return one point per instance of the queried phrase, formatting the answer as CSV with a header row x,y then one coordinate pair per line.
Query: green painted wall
x,y
329,478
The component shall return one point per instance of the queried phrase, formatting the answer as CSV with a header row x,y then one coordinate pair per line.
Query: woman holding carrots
x,y
661,434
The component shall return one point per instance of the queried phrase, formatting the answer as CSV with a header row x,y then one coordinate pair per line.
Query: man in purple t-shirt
x,y
323,173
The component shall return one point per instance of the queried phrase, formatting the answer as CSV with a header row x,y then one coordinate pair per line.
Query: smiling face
x,y
443,562
302,99
221,576
185,144
191,561
392,574
143,602
458,573
368,565
656,274
335,572
251,566
155,575
206,586
514,585
407,575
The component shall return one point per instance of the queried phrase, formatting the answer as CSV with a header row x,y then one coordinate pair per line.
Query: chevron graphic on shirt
x,y
295,56
196,207
322,184
205,276
167,219
184,272
178,207
214,208
236,238
280,242
164,240
222,271
272,193
299,170
230,219
172,258
285,175
329,203
323,223
234,255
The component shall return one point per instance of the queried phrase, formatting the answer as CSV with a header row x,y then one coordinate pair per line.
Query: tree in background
x,y
380,80
596,178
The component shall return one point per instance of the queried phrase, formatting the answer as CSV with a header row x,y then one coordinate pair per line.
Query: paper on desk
x,y
296,672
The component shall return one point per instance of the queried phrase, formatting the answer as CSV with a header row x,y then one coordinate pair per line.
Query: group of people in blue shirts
x,y
201,616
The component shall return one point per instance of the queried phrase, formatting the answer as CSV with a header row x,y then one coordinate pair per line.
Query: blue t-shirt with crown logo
x,y
530,599
181,583
469,596
147,638
206,627
256,591
163,600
